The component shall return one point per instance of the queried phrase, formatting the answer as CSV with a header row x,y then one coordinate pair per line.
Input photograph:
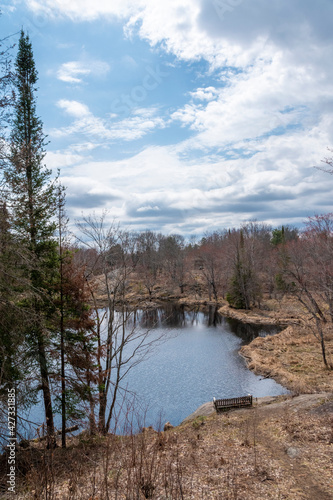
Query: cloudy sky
x,y
187,115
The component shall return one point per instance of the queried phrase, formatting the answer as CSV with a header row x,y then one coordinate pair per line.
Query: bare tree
x,y
120,344
173,259
328,161
246,255
308,266
149,264
213,267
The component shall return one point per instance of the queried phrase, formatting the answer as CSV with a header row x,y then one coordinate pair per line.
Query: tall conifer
x,y
33,205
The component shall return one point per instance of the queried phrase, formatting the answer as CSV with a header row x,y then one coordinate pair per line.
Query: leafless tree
x,y
308,266
121,345
246,251
212,254
148,258
329,162
172,253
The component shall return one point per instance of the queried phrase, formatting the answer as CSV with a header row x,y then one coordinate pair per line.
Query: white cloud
x,y
110,129
148,208
62,160
205,94
73,71
81,10
85,146
271,73
4,8
268,97
193,29
159,189
276,54
74,108
69,72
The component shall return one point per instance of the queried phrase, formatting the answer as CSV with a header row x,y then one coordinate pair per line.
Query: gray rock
x,y
323,409
292,452
203,411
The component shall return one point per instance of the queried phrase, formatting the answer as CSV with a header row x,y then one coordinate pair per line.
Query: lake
x,y
197,360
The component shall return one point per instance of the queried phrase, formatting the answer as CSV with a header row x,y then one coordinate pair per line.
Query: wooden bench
x,y
226,404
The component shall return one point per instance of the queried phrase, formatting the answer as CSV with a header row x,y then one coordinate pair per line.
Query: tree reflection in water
x,y
170,315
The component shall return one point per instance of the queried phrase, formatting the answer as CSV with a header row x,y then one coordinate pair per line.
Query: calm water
x,y
197,360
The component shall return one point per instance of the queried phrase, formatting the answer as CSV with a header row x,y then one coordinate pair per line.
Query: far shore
x,y
292,357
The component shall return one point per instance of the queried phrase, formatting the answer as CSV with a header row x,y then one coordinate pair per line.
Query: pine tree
x,y
33,202
29,179
11,319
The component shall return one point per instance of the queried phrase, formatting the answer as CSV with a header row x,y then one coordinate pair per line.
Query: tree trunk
x,y
102,411
63,386
46,392
322,343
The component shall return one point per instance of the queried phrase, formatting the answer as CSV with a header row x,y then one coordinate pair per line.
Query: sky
x,y
185,116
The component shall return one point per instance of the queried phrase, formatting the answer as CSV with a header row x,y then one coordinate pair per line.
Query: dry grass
x,y
238,455
293,358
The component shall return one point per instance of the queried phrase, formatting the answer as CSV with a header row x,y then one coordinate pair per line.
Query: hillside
x,y
279,449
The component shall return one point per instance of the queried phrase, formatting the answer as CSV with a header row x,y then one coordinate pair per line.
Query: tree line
x,y
55,340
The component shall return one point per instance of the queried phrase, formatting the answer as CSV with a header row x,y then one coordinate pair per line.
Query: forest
x,y
66,301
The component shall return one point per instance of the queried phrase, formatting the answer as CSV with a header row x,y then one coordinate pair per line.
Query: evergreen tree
x,y
11,320
33,202
283,235
29,179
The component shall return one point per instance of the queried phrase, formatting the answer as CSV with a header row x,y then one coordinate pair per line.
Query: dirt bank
x,y
292,357
259,317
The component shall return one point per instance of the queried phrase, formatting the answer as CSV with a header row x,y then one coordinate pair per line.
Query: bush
x,y
236,300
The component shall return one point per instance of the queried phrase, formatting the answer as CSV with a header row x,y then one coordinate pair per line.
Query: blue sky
x,y
186,116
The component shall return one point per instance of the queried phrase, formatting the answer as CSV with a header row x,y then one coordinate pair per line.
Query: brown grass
x,y
237,455
293,358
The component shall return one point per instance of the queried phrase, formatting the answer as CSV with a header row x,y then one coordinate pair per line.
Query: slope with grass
x,y
279,449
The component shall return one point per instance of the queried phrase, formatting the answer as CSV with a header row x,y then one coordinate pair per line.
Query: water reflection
x,y
179,316
199,360
248,332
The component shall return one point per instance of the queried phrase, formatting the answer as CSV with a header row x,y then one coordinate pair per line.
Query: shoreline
x,y
261,445
291,357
